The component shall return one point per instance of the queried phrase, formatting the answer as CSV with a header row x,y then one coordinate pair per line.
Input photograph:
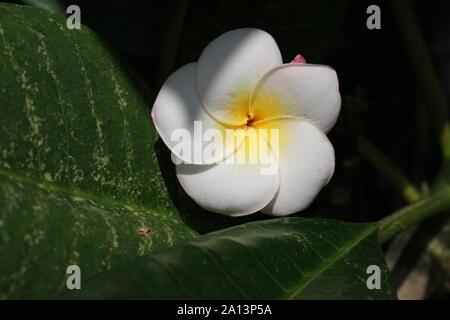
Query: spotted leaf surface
x,y
79,176
286,258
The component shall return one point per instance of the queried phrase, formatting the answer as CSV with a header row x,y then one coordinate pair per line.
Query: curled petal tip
x,y
299,59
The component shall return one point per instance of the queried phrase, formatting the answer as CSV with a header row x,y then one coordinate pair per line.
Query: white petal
x,y
306,159
232,189
177,110
299,90
230,67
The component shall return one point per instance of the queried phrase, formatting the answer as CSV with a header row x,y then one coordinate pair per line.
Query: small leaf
x,y
289,258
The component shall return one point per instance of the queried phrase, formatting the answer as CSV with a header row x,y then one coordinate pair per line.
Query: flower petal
x,y
306,159
229,68
299,90
234,189
177,111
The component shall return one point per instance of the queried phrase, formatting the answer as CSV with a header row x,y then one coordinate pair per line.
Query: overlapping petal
x,y
233,188
229,68
300,90
177,111
306,160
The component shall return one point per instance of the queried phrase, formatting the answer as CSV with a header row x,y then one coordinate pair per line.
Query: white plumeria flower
x,y
240,82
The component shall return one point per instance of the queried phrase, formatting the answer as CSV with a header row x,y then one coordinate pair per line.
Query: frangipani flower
x,y
241,84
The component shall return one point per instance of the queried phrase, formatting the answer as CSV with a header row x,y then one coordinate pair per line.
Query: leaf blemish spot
x,y
144,231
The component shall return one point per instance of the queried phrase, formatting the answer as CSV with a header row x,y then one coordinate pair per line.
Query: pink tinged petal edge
x,y
299,59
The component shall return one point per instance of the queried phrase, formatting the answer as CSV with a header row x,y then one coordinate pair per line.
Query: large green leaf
x,y
290,258
78,172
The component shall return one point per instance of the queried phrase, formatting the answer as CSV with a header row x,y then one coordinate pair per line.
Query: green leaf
x,y
289,258
79,175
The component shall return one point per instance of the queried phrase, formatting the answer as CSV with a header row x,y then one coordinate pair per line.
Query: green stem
x,y
402,219
383,164
424,70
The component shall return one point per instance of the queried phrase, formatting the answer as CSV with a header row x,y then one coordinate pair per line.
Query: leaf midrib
x,y
52,187
329,262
